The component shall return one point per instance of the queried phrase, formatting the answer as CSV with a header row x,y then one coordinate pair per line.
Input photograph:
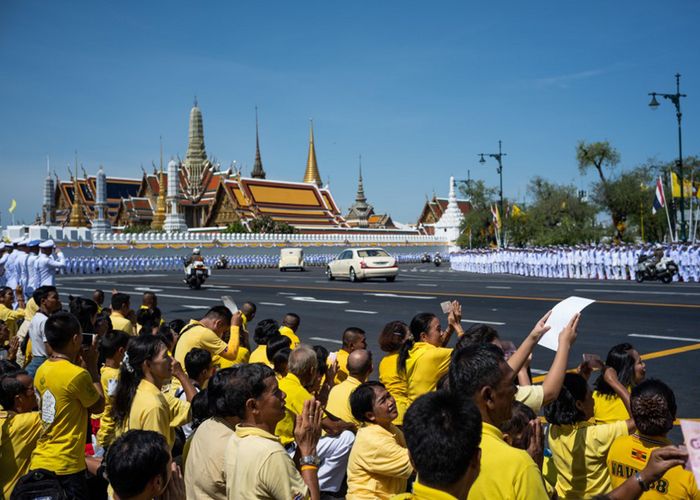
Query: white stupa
x,y
101,223
174,220
449,224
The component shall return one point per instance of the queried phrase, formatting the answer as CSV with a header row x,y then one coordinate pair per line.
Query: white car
x,y
291,258
362,263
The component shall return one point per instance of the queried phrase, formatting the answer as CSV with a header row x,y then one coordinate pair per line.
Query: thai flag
x,y
659,199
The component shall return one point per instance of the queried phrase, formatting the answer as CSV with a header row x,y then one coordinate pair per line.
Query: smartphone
x,y
446,306
332,357
87,339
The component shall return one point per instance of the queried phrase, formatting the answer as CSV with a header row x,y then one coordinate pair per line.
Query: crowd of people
x,y
604,262
105,400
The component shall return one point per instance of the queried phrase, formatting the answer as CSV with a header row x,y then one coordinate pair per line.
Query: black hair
x,y
322,358
265,329
103,317
350,333
10,388
139,350
653,406
111,342
419,324
219,312
4,290
478,334
134,459
85,310
177,325
60,328
621,360
275,343
294,323
119,300
42,292
99,292
362,399
199,408
220,404
475,366
563,410
393,336
248,383
443,432
197,361
148,319
518,424
7,366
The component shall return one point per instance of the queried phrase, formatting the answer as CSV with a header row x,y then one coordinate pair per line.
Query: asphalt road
x,y
651,316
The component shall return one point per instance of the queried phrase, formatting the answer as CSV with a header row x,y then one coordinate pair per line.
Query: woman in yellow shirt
x,y
423,357
391,338
265,329
138,401
631,371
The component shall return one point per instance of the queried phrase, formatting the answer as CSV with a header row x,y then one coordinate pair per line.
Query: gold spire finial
x,y
312,175
77,215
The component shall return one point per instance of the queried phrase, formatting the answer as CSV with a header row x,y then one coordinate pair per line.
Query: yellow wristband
x,y
308,467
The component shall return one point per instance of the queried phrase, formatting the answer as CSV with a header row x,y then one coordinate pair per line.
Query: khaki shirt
x,y
204,476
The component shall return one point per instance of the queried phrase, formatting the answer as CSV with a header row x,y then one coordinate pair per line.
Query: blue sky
x,y
417,88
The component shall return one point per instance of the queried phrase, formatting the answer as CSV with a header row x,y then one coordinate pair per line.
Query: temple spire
x,y
258,170
77,215
360,197
312,175
196,161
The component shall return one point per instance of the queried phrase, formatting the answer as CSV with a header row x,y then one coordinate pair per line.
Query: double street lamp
x,y
499,158
676,100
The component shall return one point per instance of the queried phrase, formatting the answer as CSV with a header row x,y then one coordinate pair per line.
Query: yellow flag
x,y
675,186
515,211
13,205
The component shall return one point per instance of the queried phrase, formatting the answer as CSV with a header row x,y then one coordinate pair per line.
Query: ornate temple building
x,y
197,192
435,208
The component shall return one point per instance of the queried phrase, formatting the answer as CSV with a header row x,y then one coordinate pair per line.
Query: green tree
x,y
266,224
236,227
477,228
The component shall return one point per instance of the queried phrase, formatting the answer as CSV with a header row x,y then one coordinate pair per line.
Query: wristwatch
x,y
642,484
310,460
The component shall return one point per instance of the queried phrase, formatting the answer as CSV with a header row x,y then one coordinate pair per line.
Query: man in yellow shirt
x,y
112,348
248,310
67,394
443,432
353,338
20,428
334,448
121,312
290,325
359,369
207,334
480,371
9,315
653,407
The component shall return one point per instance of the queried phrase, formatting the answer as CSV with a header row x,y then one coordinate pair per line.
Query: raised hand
x,y
307,428
540,328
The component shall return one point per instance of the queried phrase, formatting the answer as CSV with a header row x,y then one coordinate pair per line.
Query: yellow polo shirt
x,y
395,383
201,337
242,357
258,467
152,410
531,395
506,472
379,465
425,366
119,322
19,433
204,476
30,310
65,392
342,359
10,317
108,380
579,453
339,400
289,333
630,454
423,492
293,406
608,408
259,355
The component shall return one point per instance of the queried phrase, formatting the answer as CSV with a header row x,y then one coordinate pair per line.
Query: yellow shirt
x,y
422,492
119,322
506,472
339,400
289,333
65,391
19,433
242,357
293,406
425,366
579,452
30,310
608,408
395,383
630,454
108,379
201,337
531,396
205,477
151,410
379,465
342,359
10,317
259,355
257,467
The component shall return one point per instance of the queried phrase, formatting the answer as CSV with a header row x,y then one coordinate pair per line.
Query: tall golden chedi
x,y
311,175
77,214
161,205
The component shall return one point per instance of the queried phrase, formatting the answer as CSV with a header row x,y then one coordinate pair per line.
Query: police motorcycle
x,y
437,260
196,271
425,258
651,269
222,262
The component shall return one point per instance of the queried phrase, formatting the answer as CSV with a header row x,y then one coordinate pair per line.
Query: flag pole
x,y
668,218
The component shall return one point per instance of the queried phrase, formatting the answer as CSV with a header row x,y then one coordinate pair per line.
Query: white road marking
x,y
538,372
286,293
147,289
322,339
427,284
663,337
195,307
359,311
500,287
483,322
282,281
636,292
320,301
91,277
396,296
271,304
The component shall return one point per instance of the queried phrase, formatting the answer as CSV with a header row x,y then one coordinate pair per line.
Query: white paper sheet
x,y
230,304
691,437
560,317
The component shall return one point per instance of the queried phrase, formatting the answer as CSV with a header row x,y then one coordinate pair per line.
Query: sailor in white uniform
x,y
48,264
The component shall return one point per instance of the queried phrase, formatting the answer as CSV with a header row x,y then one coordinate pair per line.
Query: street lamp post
x,y
499,158
676,100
